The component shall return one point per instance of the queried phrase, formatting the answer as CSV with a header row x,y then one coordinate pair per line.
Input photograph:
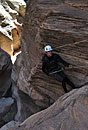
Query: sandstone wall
x,y
63,25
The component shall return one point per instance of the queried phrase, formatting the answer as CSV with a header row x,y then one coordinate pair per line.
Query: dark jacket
x,y
51,64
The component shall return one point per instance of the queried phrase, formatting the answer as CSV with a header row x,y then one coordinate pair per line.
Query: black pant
x,y
66,80
63,78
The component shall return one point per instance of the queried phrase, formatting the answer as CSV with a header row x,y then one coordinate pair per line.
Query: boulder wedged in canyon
x,y
63,25
5,72
69,112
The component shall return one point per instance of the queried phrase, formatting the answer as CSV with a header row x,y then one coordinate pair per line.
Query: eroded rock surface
x,y
9,125
63,25
7,111
5,104
25,104
70,112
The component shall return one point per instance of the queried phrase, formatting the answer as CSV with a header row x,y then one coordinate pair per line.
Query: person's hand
x,y
70,66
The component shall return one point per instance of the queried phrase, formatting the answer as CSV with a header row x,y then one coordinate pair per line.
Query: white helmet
x,y
48,48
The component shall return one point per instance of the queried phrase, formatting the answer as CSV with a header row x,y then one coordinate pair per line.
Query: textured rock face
x,y
63,25
7,111
5,105
5,72
9,125
70,112
10,29
25,105
8,108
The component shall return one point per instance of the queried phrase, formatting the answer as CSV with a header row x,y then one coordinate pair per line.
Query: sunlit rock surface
x,y
10,29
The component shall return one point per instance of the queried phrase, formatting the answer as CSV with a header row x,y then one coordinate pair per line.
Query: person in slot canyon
x,y
51,65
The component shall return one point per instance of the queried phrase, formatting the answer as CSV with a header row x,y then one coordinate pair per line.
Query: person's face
x,y
49,53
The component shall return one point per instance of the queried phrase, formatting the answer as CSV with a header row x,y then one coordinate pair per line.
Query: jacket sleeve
x,y
44,68
59,59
